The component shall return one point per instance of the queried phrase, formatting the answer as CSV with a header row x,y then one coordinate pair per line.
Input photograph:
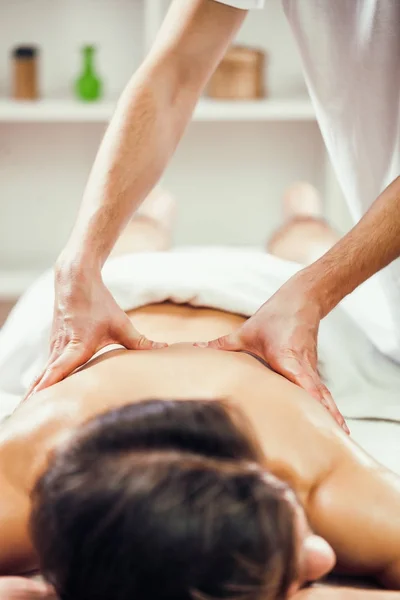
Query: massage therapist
x,y
350,52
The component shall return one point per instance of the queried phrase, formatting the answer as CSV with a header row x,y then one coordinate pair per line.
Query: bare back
x,y
301,441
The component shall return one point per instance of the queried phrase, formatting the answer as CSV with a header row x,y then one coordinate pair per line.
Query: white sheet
x,y
364,383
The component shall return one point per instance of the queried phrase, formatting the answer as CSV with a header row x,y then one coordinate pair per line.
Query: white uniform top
x,y
351,57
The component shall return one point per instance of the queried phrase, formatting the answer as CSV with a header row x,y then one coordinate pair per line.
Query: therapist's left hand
x,y
283,332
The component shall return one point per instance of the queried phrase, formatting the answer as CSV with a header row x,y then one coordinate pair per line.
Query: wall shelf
x,y
271,109
55,111
236,170
72,111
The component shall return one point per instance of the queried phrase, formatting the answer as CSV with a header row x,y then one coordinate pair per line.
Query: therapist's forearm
x,y
140,139
149,121
369,247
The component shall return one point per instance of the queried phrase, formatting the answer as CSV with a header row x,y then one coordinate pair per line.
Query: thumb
x,y
133,340
72,357
230,343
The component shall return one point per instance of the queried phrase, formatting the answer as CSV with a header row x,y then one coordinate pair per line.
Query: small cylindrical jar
x,y
25,73
239,76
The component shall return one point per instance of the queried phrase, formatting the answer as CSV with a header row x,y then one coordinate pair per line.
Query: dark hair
x,y
163,500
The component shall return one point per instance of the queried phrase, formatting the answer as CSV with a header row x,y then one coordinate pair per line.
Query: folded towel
x,y
364,383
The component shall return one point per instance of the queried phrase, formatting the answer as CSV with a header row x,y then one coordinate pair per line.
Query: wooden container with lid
x,y
239,76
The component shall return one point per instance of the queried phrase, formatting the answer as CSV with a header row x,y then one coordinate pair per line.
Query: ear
x,y
319,558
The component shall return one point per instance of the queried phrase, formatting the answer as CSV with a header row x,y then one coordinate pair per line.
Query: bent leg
x,y
150,229
304,235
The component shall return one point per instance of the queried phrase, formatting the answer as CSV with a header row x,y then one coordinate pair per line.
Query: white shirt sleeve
x,y
245,4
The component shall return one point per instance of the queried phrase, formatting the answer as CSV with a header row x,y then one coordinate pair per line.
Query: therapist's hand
x,y
283,332
86,319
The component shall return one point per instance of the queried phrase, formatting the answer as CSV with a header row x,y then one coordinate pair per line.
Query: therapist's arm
x,y
369,247
284,330
150,119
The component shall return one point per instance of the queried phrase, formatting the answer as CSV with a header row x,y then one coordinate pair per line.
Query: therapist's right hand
x,y
86,319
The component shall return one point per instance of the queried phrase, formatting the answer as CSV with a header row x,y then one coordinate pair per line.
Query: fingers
x,y
129,337
322,394
330,404
303,375
231,343
73,356
38,379
33,386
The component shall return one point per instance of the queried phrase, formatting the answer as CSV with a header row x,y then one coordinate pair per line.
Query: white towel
x,y
363,382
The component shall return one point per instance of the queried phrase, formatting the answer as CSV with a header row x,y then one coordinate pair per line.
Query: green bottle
x,y
88,86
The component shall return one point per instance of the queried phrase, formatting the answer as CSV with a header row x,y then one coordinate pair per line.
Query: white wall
x,y
228,177
61,28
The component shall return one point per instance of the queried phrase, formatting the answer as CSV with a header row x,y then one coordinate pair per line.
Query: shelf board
x,y
55,111
14,283
72,111
270,109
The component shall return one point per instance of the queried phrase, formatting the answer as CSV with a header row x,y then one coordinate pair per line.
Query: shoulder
x,y
16,552
356,509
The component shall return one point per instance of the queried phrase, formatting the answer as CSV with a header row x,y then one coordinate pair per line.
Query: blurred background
x,y
63,64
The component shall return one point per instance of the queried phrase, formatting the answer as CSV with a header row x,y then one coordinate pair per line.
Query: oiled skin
x,y
349,499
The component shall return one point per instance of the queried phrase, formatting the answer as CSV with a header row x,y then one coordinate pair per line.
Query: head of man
x,y
170,500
